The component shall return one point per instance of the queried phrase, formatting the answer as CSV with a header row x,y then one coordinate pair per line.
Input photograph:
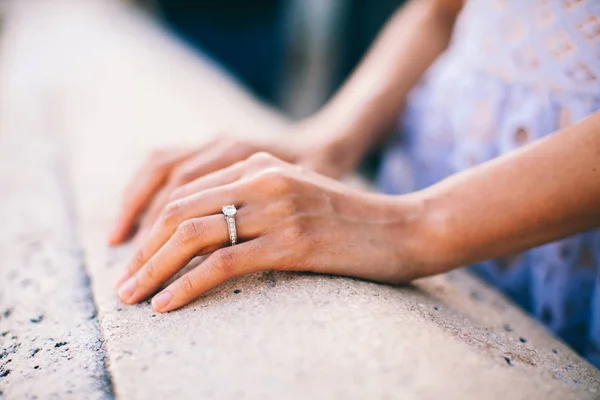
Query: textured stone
x,y
50,341
115,89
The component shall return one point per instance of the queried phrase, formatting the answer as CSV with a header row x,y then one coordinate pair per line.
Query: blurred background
x,y
292,54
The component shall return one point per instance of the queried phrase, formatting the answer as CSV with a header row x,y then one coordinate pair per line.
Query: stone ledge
x,y
50,340
283,335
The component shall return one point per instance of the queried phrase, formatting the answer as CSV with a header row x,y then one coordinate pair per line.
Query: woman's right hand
x,y
167,169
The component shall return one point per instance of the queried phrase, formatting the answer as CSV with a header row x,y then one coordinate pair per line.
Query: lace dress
x,y
515,71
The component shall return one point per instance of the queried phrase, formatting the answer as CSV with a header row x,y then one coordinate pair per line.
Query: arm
x,y
547,190
369,102
293,219
331,142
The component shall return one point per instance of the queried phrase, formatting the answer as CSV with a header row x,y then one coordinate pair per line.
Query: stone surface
x,y
114,88
50,340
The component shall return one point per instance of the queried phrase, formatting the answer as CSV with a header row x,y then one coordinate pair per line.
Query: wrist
x,y
442,248
327,145
421,244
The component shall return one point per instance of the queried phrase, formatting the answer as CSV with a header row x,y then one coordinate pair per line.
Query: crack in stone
x,y
105,382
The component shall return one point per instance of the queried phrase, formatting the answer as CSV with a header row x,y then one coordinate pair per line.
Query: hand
x,y
166,170
288,219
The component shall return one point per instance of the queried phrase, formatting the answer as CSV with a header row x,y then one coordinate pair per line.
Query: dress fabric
x,y
515,71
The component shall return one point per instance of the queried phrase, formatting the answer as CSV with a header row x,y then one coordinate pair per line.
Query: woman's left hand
x,y
287,219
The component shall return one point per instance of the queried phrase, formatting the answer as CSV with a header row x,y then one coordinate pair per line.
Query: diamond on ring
x,y
230,212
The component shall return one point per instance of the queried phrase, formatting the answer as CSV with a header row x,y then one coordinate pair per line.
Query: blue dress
x,y
515,71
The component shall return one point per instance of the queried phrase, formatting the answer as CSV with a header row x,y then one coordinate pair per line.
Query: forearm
x,y
369,102
545,191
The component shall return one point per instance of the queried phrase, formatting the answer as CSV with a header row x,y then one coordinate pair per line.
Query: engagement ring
x,y
230,212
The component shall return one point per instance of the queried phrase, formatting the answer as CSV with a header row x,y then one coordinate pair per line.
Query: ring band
x,y
229,212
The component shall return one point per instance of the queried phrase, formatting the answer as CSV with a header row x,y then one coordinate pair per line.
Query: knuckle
x,y
291,205
172,213
139,258
275,179
150,270
252,250
189,231
261,158
224,262
187,285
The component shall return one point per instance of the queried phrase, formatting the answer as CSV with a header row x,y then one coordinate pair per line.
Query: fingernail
x,y
122,279
127,290
161,301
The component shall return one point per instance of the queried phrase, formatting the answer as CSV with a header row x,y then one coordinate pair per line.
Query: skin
x,y
166,170
331,142
288,219
293,218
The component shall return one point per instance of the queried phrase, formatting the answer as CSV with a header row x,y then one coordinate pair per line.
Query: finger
x,y
219,267
145,187
202,204
187,172
212,180
194,237
215,179
256,162
145,184
217,157
221,155
154,210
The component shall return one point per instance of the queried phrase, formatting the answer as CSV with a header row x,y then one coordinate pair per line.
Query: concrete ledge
x,y
268,335
50,340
